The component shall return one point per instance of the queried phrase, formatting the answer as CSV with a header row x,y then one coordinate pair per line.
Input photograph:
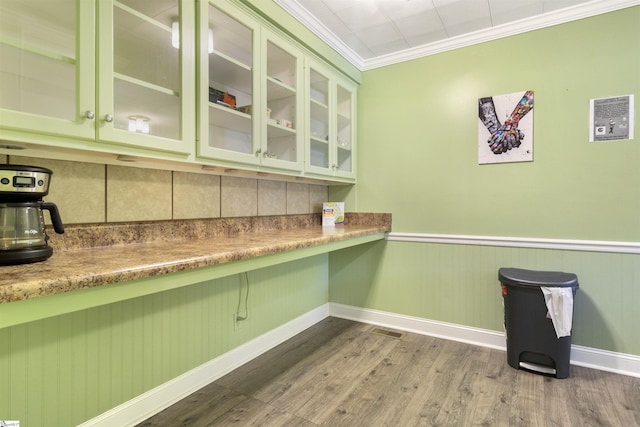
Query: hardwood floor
x,y
344,373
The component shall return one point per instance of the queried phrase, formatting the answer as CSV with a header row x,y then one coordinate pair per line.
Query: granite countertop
x,y
94,255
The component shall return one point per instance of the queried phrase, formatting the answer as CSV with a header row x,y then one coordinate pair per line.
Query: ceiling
x,y
374,33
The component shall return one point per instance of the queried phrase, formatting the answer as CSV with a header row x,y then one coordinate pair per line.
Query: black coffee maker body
x,y
23,238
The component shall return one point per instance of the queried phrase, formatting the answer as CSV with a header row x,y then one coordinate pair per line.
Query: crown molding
x,y
585,10
320,30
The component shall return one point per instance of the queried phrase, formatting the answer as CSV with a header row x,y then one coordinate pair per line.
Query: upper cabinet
x,y
250,91
331,116
207,82
228,84
345,116
146,74
113,71
283,91
47,66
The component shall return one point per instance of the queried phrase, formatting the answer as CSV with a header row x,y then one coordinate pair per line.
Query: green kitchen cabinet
x,y
210,82
228,78
283,91
112,72
331,114
250,91
47,66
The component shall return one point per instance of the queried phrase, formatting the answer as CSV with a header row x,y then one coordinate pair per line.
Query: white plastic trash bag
x,y
559,302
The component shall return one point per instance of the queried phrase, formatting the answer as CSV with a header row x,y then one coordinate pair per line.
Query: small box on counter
x,y
332,214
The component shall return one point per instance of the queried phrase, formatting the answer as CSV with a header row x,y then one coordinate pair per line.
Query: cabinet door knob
x,y
258,151
89,114
108,118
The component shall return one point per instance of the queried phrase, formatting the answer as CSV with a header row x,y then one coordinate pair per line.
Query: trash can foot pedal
x,y
538,368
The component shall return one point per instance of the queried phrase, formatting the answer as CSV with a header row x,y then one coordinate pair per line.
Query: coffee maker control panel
x,y
25,181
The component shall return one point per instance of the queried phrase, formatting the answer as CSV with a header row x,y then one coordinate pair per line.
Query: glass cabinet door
x,y
47,69
330,138
147,74
283,113
345,130
227,106
318,151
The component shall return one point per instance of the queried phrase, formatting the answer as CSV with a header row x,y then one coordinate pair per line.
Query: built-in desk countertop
x,y
98,264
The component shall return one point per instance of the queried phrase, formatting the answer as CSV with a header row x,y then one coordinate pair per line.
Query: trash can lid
x,y
518,276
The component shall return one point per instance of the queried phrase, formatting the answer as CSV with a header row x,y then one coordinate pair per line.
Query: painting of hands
x,y
512,139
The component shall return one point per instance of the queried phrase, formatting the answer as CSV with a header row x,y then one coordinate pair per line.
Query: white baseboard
x,y
155,400
620,363
418,325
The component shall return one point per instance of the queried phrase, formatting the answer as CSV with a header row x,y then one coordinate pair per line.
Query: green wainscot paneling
x,y
459,284
66,369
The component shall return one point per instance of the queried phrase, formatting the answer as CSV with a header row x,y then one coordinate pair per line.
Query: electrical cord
x,y
246,299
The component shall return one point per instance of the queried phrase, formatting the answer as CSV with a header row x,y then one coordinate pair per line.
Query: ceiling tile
x,y
357,17
390,47
358,46
333,5
551,5
456,14
370,28
379,34
504,11
317,8
427,22
426,38
335,24
397,9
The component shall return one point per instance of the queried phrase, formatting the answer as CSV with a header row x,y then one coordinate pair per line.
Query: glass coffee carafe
x,y
21,226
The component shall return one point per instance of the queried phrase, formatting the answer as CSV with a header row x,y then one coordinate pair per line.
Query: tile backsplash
x,y
96,193
135,194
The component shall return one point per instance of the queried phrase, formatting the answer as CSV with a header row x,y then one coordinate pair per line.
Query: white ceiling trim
x,y
584,10
319,29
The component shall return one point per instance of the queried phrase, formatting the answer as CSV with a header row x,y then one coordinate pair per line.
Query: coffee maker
x,y
22,232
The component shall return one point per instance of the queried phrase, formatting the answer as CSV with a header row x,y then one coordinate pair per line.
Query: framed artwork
x,y
505,128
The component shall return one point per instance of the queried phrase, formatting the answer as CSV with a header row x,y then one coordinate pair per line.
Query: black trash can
x,y
532,342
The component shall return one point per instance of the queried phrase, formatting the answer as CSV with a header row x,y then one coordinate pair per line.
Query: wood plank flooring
x,y
344,373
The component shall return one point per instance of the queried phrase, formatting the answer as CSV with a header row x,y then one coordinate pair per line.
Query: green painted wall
x,y
418,159
418,137
64,370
